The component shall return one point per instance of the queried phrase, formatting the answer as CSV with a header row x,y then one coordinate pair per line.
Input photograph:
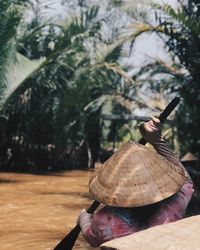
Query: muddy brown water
x,y
37,211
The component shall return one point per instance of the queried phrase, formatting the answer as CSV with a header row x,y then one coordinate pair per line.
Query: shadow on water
x,y
75,194
7,181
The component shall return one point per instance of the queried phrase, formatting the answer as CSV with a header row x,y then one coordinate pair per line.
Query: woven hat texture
x,y
135,176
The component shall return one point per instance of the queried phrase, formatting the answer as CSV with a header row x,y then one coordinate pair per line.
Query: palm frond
x,y
42,9
179,16
17,74
10,16
117,69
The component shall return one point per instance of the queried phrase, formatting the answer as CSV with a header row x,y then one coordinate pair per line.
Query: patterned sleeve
x,y
151,131
104,226
86,225
163,149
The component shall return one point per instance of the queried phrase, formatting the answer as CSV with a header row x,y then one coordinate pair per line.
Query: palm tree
x,y
14,67
56,91
182,30
55,110
10,18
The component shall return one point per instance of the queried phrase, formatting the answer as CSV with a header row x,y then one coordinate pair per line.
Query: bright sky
x,y
150,46
146,46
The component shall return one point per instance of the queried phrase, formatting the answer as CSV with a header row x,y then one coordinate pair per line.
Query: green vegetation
x,y
182,28
66,97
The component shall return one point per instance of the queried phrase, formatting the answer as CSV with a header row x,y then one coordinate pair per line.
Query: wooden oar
x,y
68,242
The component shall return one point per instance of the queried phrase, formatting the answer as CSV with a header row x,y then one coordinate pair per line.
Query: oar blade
x,y
68,242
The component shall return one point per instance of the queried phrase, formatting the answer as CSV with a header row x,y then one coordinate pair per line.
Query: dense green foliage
x,y
54,112
9,19
182,28
65,96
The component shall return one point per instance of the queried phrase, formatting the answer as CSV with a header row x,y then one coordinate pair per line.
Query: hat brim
x,y
135,176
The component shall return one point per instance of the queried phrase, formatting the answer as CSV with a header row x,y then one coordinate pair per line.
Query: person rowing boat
x,y
139,188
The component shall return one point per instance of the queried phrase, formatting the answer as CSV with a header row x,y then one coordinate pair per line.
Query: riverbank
x,y
36,211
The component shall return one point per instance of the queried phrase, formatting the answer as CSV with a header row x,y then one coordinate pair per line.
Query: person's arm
x,y
103,226
151,131
174,207
85,222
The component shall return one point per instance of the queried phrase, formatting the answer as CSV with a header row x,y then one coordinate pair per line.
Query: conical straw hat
x,y
135,176
189,157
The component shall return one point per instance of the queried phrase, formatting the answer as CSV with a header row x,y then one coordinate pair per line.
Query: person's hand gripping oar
x,y
69,240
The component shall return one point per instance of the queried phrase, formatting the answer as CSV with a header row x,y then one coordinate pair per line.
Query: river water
x,y
37,211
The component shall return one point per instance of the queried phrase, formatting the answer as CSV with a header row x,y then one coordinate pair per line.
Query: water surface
x,y
37,211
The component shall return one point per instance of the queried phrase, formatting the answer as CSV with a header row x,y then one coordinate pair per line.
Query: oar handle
x,y
93,207
163,116
68,242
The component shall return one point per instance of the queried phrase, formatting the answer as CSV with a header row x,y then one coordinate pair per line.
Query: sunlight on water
x,y
37,211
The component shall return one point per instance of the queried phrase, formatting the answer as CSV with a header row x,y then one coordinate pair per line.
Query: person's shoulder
x,y
187,188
